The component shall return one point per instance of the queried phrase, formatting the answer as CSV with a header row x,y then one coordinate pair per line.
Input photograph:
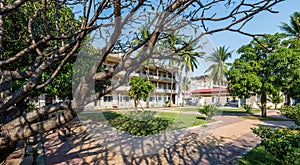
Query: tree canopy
x,y
39,39
264,68
140,89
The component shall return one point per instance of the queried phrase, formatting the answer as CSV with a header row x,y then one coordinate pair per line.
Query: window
x,y
165,98
165,86
107,98
126,98
151,98
153,73
159,98
258,97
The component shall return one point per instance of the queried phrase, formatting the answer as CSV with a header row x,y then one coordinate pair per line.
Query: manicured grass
x,y
193,109
183,120
99,116
223,110
239,111
148,122
258,156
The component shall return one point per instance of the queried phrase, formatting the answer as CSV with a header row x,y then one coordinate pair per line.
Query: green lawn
x,y
258,156
183,120
224,110
239,111
193,109
148,122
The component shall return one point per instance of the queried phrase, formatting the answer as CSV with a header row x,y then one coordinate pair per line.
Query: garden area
x,y
148,122
278,145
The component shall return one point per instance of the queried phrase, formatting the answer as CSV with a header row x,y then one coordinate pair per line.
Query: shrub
x,y
282,143
247,107
292,112
140,124
208,110
168,103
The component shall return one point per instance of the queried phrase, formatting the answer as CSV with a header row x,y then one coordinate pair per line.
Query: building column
x,y
119,99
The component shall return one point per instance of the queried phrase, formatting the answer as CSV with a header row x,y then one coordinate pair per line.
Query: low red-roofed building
x,y
204,91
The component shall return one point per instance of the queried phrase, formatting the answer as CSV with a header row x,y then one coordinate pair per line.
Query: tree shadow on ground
x,y
96,143
191,149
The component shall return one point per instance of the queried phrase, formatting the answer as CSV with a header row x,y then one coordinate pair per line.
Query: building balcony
x,y
123,88
159,90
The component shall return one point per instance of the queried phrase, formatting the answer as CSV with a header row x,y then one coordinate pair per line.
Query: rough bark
x,y
1,30
33,115
263,101
6,150
25,131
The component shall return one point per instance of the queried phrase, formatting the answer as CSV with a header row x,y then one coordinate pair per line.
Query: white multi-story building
x,y
163,77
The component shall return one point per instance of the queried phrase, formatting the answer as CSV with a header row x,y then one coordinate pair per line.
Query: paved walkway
x,y
217,143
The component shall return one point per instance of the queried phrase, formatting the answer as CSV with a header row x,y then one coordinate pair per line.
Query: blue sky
x,y
263,23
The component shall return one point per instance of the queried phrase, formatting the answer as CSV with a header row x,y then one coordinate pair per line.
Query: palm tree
x,y
186,83
189,62
187,58
294,28
218,68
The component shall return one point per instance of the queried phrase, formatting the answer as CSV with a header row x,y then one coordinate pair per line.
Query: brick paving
x,y
58,152
222,143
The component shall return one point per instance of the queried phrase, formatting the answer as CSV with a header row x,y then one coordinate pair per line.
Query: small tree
x,y
140,89
276,98
208,110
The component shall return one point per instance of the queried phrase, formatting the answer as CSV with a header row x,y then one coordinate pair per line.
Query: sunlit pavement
x,y
216,143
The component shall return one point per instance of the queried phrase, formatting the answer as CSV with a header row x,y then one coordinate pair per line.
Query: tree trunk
x,y
6,150
135,104
288,100
171,99
141,106
219,95
1,31
263,101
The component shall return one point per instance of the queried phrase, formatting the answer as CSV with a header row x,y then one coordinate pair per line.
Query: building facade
x,y
204,91
163,77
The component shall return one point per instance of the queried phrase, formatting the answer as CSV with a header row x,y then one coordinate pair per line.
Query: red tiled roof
x,y
212,90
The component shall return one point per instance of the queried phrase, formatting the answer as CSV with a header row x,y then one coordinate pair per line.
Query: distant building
x,y
163,77
204,91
